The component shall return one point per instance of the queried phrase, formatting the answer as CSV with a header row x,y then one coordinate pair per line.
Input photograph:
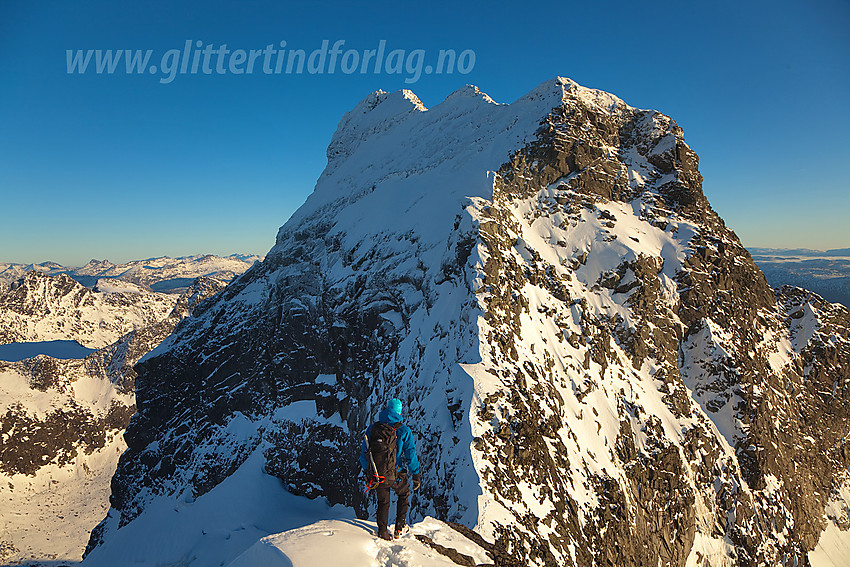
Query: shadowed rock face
x,y
595,369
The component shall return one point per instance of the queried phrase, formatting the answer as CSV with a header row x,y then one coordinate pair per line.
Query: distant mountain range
x,y
827,273
49,308
62,421
69,338
798,252
173,275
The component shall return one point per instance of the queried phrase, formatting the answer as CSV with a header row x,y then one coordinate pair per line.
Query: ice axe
x,y
375,479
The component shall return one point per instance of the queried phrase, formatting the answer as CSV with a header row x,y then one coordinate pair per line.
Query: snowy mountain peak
x,y
471,91
94,262
594,368
387,141
378,111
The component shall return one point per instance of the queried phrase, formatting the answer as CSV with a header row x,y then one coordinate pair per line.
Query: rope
x,y
374,481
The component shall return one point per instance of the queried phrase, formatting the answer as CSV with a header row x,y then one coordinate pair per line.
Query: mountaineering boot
x,y
384,533
401,531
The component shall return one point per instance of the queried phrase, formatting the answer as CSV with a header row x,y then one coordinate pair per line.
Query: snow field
x,y
49,516
249,520
352,543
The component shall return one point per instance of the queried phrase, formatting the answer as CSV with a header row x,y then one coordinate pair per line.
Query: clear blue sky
x,y
124,167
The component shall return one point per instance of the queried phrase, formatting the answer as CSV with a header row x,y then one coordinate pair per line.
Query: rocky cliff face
x,y
61,426
595,369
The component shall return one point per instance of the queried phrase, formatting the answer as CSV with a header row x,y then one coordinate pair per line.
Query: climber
x,y
387,456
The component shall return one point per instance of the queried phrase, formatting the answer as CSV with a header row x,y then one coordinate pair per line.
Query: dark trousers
x,y
402,489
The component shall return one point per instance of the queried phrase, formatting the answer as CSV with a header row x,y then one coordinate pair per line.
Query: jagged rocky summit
x,y
596,371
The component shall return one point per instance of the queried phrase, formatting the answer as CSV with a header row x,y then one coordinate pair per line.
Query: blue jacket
x,y
405,452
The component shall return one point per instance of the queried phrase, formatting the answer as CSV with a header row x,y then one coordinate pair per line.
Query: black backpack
x,y
383,444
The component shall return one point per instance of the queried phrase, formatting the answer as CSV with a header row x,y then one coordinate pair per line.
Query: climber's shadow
x,y
364,525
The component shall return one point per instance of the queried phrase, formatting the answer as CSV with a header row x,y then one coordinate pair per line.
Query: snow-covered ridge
x,y
594,368
352,543
285,531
